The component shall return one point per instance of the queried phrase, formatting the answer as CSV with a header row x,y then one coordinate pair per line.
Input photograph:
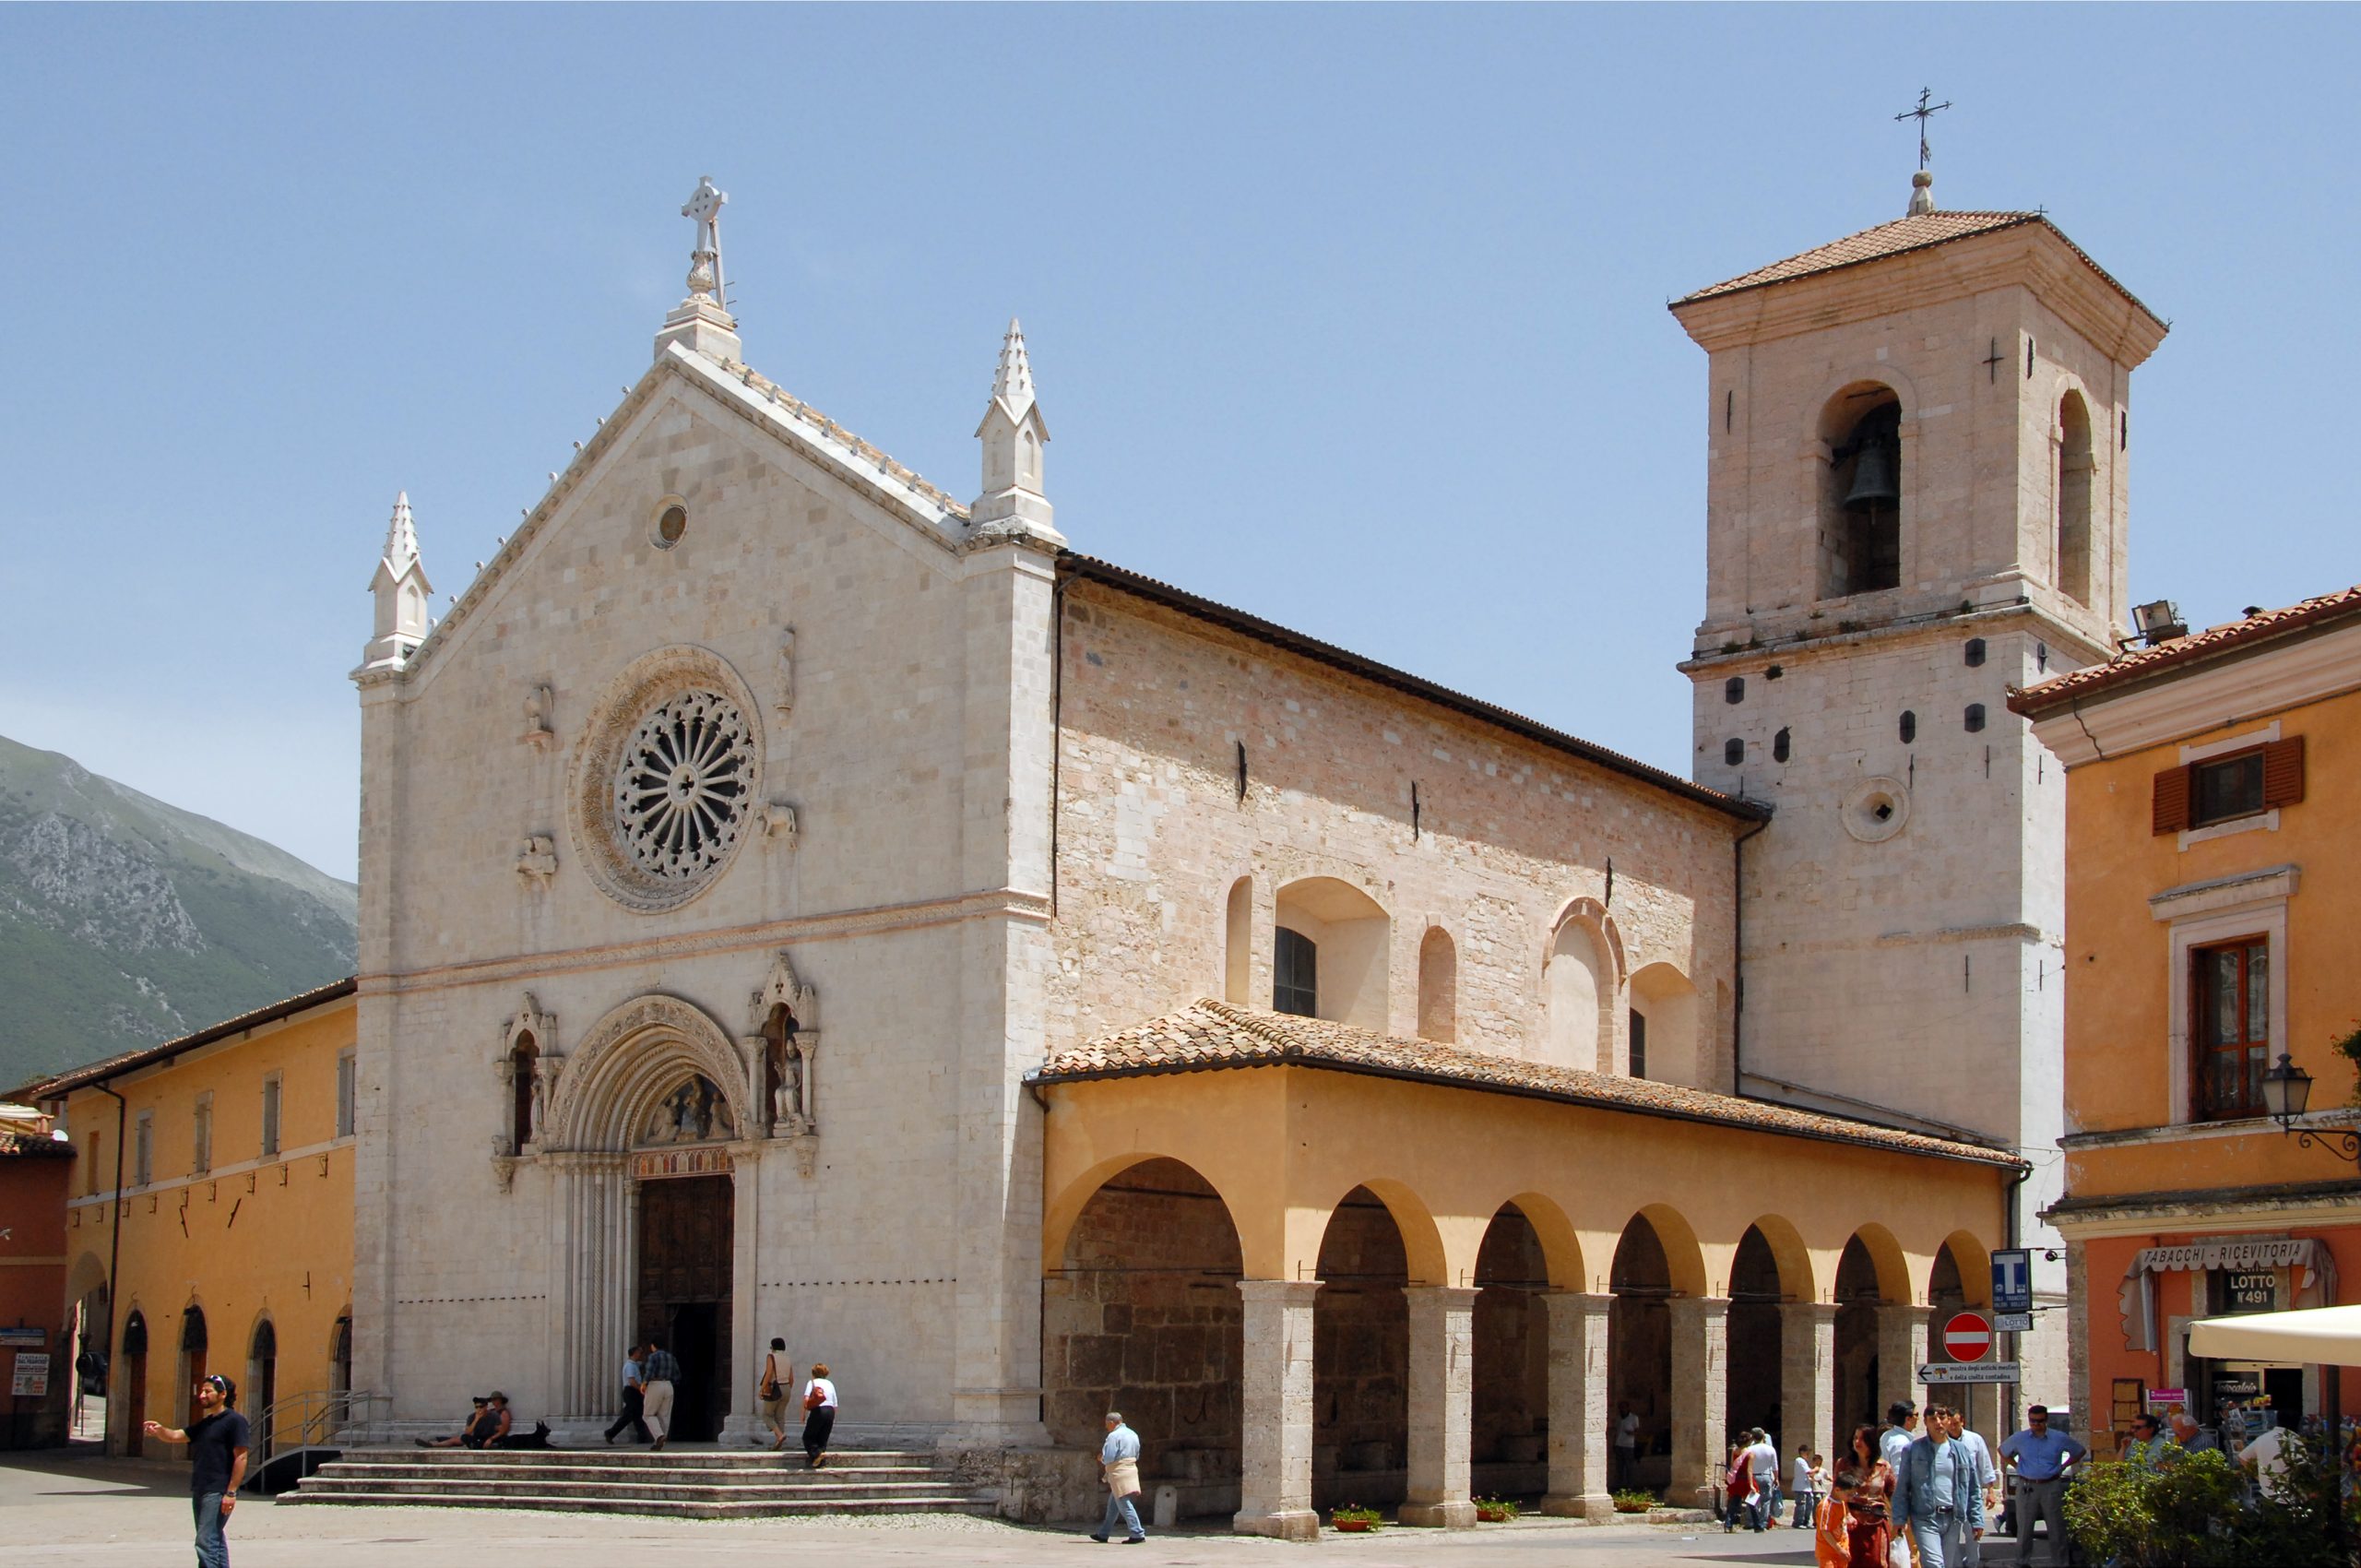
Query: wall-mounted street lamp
x,y
2286,1091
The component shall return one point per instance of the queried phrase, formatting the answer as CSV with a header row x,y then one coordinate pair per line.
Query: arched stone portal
x,y
654,1133
1141,1314
1360,1357
1508,1443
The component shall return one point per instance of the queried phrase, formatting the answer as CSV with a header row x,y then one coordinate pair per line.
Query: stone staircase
x,y
688,1482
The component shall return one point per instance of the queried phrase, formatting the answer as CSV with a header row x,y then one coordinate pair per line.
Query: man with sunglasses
x,y
217,1442
2042,1459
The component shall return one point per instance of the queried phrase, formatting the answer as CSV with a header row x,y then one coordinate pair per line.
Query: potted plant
x,y
1353,1518
1634,1501
1495,1510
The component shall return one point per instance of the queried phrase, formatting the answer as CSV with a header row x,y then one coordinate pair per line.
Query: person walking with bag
x,y
819,1415
771,1390
1118,1461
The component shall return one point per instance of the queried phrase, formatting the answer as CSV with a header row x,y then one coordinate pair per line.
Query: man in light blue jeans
x,y
1937,1496
1118,1460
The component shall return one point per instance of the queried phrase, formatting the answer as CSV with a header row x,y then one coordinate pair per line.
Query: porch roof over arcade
x,y
1210,1036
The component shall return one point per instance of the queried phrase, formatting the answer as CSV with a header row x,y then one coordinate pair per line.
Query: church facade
x,y
795,902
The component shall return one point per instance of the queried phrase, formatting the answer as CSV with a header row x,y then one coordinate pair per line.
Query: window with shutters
x,y
347,1071
201,1150
2229,787
1295,986
143,1155
2230,1012
270,1102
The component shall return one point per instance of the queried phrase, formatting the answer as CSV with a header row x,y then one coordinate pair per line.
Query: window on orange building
x,y
2230,1008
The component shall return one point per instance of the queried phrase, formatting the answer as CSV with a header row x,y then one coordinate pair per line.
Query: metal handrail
x,y
318,1419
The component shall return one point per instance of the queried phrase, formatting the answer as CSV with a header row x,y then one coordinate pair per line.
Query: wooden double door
x,y
686,1234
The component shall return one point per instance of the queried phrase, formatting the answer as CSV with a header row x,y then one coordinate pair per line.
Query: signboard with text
x,y
29,1339
2012,1280
2166,1398
1967,1371
32,1379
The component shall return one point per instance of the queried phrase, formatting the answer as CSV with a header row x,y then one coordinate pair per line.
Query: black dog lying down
x,y
537,1438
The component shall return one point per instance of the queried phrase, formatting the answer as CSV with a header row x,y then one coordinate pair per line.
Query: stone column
x,y
1901,1348
1578,1436
1275,1431
743,1424
594,1274
1443,1401
1700,1342
1807,1376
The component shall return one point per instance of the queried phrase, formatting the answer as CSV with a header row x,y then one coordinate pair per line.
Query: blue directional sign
x,y
2012,1280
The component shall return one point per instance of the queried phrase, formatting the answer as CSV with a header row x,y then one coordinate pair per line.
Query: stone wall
x,y
1144,1317
1154,835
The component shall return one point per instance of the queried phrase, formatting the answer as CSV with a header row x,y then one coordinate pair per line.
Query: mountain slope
x,y
124,922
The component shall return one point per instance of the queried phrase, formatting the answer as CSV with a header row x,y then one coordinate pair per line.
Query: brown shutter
x,y
2169,811
2283,772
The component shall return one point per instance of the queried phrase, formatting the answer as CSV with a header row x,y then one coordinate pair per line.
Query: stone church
x,y
796,902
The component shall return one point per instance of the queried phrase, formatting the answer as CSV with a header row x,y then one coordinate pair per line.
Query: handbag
x,y
813,1399
768,1388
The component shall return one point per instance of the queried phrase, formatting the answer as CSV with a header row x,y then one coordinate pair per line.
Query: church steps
x,y
688,1484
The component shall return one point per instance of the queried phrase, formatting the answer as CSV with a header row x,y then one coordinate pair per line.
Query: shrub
x,y
2201,1511
1354,1513
1634,1501
1495,1510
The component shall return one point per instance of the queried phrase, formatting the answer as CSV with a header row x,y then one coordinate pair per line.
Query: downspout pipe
x,y
1738,956
115,1247
2014,1221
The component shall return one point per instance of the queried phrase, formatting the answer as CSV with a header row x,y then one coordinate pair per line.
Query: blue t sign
x,y
2012,1280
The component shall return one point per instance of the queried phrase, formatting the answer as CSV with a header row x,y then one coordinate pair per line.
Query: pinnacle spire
x,y
1012,382
401,536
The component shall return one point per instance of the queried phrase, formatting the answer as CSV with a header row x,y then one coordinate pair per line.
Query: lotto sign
x,y
1967,1336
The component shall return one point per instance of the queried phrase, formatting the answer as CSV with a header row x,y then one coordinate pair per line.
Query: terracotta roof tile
x,y
2142,662
1208,1036
1903,235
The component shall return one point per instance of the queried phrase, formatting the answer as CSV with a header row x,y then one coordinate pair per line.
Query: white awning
x,y
2330,1335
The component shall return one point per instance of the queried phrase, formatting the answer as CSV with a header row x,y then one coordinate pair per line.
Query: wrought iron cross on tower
x,y
1921,115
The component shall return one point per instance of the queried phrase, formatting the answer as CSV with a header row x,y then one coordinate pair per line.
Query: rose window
x,y
684,784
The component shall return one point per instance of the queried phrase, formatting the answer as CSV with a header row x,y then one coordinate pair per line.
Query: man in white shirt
x,y
1627,1448
1987,1477
1766,1475
2267,1457
1901,1432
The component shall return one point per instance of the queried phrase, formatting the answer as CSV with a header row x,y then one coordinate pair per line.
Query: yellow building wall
x,y
256,1237
2121,978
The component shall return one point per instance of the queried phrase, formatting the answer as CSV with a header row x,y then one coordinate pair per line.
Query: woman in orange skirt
x,y
1854,1524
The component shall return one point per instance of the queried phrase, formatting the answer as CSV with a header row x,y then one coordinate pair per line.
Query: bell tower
x,y
1917,441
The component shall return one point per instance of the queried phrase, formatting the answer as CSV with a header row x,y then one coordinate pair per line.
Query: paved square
x,y
72,1513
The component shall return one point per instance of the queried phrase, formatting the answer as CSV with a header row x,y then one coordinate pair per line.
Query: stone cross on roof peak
x,y
704,207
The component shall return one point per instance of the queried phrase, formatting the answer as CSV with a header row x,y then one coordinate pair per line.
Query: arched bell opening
x,y
1141,1313
1860,492
1360,1357
1509,1438
2074,481
1438,987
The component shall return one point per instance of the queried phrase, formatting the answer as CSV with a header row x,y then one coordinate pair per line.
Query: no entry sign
x,y
1967,1336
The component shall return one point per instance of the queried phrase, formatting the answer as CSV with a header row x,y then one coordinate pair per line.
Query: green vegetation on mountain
x,y
124,922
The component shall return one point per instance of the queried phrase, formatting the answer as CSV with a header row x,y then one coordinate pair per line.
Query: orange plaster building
x,y
35,1351
2212,931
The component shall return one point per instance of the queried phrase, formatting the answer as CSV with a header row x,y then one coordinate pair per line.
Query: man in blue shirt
x,y
634,1401
1937,1496
2041,1458
1118,1461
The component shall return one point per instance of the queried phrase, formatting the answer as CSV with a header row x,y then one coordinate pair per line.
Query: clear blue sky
x,y
1353,317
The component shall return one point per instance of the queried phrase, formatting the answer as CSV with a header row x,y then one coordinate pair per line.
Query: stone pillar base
x,y
1295,1524
1438,1516
1597,1507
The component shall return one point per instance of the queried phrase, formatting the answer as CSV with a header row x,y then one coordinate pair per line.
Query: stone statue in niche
x,y
537,700
788,1111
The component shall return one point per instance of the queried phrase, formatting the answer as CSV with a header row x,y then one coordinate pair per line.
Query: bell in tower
x,y
1872,500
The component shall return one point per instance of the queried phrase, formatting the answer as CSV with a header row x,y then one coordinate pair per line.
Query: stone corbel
x,y
537,860
539,701
504,1163
807,1154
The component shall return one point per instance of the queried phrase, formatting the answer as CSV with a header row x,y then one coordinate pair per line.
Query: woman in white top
x,y
820,1415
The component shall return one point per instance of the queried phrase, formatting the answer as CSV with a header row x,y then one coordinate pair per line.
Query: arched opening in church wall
x,y
1510,1437
261,1390
192,1363
1754,1395
1859,1294
1664,1026
1438,987
2076,476
523,1061
1962,1278
1639,1346
1238,944
341,1353
1360,1357
1343,975
131,1376
1579,980
1860,491
1143,1314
